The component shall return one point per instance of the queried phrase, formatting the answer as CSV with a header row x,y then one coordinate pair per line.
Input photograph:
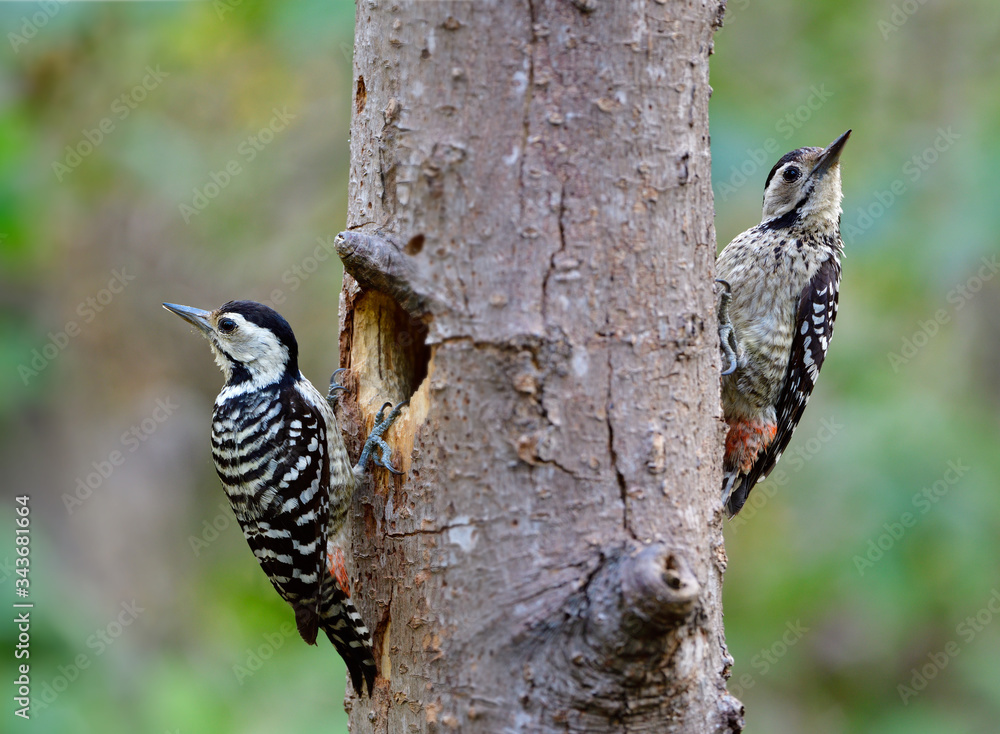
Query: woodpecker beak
x,y
195,316
831,156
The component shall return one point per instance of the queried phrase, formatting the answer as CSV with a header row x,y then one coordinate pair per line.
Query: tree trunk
x,y
531,244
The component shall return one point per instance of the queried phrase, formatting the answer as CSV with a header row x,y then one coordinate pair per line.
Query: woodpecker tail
x,y
336,615
734,491
347,631
339,618
748,458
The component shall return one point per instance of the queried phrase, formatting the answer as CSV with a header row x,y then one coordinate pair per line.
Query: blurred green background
x,y
195,152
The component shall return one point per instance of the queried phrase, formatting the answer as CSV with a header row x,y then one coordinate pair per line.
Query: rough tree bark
x,y
530,248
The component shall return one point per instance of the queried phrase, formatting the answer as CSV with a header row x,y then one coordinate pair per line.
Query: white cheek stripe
x,y
258,350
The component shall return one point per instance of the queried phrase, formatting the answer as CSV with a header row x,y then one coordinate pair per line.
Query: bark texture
x,y
531,250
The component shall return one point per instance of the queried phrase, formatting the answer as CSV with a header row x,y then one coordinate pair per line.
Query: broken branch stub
x,y
378,263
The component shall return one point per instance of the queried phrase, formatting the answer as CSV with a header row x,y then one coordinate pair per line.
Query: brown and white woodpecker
x,y
283,464
780,281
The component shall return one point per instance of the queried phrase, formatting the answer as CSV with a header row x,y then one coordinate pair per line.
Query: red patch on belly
x,y
338,569
746,441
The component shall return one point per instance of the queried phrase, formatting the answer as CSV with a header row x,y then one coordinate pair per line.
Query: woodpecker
x,y
283,464
780,284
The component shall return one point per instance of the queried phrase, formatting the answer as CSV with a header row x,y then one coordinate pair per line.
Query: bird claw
x,y
379,459
375,440
380,416
727,337
335,387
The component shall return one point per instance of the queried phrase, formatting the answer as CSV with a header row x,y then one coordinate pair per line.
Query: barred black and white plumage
x,y
781,285
283,464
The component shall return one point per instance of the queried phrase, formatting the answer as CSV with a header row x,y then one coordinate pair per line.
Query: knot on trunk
x,y
636,598
632,626
658,591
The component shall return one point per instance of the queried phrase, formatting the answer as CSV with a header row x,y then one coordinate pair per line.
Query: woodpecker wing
x,y
339,618
816,312
278,478
286,529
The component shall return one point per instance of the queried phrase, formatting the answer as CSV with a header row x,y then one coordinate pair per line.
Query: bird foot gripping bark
x,y
727,337
375,439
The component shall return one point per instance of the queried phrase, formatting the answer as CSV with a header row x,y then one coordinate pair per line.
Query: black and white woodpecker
x,y
282,461
780,281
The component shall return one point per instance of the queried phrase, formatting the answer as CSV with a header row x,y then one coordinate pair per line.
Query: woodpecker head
x,y
805,184
251,342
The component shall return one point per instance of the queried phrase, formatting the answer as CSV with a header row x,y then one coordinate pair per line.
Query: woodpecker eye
x,y
227,326
791,174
